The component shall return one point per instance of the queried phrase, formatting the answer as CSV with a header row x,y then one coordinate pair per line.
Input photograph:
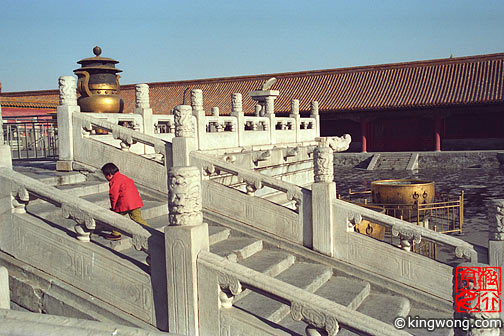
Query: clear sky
x,y
159,41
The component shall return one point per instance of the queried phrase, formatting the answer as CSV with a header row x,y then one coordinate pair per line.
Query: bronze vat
x,y
402,191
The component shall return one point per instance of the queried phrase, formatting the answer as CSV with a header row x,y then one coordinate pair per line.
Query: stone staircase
x,y
298,270
395,161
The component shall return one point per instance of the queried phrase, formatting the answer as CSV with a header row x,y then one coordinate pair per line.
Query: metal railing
x,y
32,137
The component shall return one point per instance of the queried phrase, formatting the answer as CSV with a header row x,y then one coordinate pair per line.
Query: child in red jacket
x,y
124,197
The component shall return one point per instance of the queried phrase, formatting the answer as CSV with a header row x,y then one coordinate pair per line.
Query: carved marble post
x,y
185,237
323,193
67,106
297,118
237,111
5,150
315,114
199,113
4,288
142,107
184,141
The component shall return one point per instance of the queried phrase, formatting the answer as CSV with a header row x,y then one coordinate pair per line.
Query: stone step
x,y
237,248
344,291
49,176
382,307
152,207
303,275
85,188
430,314
374,306
158,222
269,262
217,234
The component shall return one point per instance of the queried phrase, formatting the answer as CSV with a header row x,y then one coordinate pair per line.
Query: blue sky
x,y
172,40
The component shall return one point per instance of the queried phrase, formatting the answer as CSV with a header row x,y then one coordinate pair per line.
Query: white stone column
x,y
323,193
4,288
199,113
142,107
184,141
5,150
68,105
237,111
297,118
315,114
185,237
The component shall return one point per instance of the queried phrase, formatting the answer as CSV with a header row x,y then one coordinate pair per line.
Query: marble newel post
x,y
67,106
184,141
142,107
237,111
199,113
185,237
323,193
295,114
314,113
5,150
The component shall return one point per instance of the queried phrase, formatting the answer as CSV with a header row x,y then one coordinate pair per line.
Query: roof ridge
x,y
361,68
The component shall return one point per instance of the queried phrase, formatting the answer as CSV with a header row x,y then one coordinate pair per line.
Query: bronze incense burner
x,y
98,84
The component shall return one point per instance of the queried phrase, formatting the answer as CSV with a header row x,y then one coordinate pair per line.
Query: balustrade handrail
x,y
125,134
412,232
209,164
305,306
83,212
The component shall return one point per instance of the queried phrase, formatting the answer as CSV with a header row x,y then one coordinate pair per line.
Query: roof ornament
x,y
268,84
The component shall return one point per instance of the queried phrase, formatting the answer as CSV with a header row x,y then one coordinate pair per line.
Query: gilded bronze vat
x,y
402,191
98,84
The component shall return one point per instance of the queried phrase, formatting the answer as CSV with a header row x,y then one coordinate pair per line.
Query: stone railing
x,y
143,169
407,267
25,323
85,214
225,279
215,131
65,252
291,223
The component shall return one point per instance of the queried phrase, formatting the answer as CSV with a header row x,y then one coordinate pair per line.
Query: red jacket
x,y
123,194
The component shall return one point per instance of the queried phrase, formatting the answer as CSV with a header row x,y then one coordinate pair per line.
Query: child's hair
x,y
109,169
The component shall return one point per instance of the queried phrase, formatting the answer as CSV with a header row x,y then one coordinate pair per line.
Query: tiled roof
x,y
445,82
436,83
31,100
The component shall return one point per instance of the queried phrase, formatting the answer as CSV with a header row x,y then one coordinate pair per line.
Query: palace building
x,y
445,104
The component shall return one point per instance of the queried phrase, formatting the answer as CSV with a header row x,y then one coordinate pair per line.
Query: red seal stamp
x,y
478,289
